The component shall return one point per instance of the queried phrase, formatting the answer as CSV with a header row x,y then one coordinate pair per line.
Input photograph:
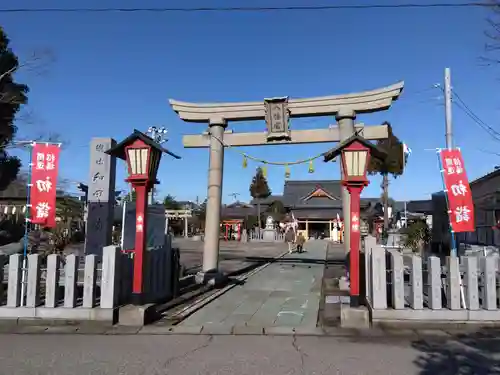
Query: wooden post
x,y
3,261
490,289
434,280
398,284
379,278
370,243
109,278
89,281
417,293
14,282
33,287
453,295
472,283
70,280
52,280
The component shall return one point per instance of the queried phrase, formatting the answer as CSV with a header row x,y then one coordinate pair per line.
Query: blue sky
x,y
115,72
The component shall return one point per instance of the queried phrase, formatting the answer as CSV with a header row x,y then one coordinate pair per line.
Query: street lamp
x,y
143,155
355,152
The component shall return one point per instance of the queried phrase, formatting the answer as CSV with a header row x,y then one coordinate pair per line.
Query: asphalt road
x,y
186,355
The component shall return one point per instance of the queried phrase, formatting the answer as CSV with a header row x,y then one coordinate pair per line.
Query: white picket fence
x,y
406,288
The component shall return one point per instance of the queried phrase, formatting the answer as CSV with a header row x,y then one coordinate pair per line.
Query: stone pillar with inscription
x,y
101,196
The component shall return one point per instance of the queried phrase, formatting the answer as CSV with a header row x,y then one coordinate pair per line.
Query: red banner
x,y
460,203
44,161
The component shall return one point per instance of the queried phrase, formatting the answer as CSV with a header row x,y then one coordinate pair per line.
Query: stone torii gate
x,y
276,112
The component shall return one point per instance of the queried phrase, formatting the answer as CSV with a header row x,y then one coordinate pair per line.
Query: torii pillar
x,y
345,119
217,115
210,268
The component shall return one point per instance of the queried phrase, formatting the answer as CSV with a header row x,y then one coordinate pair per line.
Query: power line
x,y
486,128
488,152
465,108
249,9
460,103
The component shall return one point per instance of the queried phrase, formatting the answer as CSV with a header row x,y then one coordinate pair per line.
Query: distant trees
x,y
393,165
201,210
277,207
199,214
259,189
277,210
171,203
418,236
131,196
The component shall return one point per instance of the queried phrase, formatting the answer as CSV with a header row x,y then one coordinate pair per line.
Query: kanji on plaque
x,y
460,203
354,222
140,223
44,169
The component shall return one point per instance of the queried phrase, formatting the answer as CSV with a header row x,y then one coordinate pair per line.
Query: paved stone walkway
x,y
284,294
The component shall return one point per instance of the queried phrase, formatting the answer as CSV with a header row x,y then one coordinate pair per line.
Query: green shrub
x,y
417,236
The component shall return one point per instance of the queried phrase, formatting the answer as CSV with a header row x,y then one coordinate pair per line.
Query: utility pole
x,y
449,146
447,106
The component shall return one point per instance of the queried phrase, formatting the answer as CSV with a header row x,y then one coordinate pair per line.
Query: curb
x,y
366,335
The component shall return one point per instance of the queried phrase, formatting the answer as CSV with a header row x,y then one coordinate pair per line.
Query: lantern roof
x,y
119,149
375,151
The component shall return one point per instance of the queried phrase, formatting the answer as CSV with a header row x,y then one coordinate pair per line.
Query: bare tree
x,y
37,62
492,46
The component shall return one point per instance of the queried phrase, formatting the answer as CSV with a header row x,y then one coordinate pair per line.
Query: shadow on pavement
x,y
289,260
465,354
193,291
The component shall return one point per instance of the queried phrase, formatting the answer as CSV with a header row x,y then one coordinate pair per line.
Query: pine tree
x,y
259,189
170,202
393,165
12,97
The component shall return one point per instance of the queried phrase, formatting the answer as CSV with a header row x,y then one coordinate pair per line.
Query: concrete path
x,y
284,294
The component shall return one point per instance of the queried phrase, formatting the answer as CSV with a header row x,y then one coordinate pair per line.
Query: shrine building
x,y
316,204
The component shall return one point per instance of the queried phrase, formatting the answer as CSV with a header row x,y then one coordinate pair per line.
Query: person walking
x,y
289,239
300,243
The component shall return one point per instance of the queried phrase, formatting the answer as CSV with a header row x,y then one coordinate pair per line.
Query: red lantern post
x,y
143,156
355,159
355,152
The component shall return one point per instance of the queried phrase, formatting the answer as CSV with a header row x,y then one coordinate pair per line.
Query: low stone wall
x,y
256,237
53,299
410,289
